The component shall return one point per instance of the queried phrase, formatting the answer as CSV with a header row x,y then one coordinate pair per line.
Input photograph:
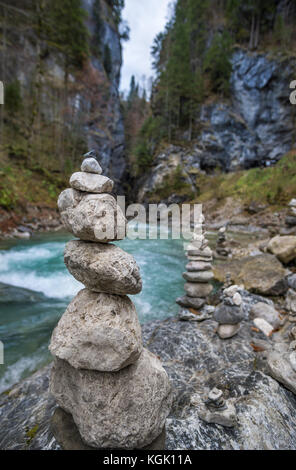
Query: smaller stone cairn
x,y
215,409
199,274
117,392
222,251
291,215
229,313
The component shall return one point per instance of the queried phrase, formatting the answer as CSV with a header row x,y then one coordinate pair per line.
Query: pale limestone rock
x,y
228,331
91,183
125,409
98,332
91,165
194,289
292,203
263,326
284,248
291,301
267,312
92,217
292,359
202,276
231,291
103,268
237,299
280,368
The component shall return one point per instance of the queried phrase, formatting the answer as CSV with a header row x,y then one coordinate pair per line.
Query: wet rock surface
x,y
196,360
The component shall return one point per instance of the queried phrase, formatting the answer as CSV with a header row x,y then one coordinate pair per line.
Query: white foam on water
x,y
15,372
11,258
56,285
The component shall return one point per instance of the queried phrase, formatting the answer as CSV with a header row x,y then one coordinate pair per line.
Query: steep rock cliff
x,y
254,127
58,114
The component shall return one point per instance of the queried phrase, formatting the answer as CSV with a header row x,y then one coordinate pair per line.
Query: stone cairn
x,y
117,392
221,247
215,409
198,270
291,215
229,313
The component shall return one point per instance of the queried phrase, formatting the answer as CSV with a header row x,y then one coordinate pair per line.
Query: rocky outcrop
x,y
260,274
255,127
196,360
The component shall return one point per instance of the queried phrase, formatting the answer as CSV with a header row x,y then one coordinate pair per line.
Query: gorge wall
x,y
60,63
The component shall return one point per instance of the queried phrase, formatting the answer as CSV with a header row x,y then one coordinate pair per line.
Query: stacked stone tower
x,y
199,270
117,392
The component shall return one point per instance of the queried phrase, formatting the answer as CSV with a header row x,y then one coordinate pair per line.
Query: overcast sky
x,y
146,18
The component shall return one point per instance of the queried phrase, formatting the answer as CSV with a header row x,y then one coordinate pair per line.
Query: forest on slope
x,y
60,64
220,96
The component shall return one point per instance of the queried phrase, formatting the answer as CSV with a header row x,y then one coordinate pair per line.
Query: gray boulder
x,y
103,267
92,217
126,409
229,314
98,332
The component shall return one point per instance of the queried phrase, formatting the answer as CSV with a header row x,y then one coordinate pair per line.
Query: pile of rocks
x,y
221,247
291,216
229,313
117,392
199,272
215,409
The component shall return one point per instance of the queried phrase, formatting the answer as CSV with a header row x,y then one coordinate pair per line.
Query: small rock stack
x,y
221,247
291,216
229,313
199,271
117,392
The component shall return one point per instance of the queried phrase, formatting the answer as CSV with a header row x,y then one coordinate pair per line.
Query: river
x,y
27,318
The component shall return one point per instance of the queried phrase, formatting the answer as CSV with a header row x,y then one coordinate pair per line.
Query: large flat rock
x,y
261,274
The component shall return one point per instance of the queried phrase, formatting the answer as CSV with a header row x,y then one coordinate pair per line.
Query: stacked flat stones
x,y
199,272
291,216
117,392
221,247
229,313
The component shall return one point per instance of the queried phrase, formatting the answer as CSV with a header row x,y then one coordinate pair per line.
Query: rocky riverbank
x,y
27,220
196,360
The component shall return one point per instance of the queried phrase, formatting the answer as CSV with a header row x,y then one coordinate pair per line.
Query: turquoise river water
x,y
27,320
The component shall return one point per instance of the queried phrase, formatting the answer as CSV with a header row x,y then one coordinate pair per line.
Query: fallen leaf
x,y
255,329
257,348
195,312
